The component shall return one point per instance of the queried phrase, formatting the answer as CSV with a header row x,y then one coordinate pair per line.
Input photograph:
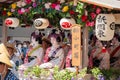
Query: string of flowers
x,y
26,10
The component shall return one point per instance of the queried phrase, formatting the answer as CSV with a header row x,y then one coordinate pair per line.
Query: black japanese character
x,y
102,19
112,26
101,33
76,55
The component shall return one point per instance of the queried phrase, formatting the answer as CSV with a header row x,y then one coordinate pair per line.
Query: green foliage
x,y
96,72
82,72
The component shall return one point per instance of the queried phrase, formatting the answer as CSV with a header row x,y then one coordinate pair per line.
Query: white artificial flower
x,y
47,5
19,3
33,0
62,1
23,4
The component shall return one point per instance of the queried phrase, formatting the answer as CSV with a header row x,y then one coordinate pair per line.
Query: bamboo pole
x,y
85,47
4,33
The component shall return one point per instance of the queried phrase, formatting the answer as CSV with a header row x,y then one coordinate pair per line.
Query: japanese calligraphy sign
x,y
76,45
105,27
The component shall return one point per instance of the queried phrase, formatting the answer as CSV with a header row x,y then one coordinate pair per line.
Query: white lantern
x,y
66,23
41,23
105,27
12,22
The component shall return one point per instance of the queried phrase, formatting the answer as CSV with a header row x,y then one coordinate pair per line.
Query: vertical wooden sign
x,y
76,46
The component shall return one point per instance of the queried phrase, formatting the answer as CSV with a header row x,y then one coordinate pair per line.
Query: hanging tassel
x,y
104,50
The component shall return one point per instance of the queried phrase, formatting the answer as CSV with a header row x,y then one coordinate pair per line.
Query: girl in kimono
x,y
99,57
55,54
115,51
35,55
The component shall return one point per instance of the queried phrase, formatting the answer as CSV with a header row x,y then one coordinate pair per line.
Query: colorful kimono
x,y
68,59
10,76
54,56
36,55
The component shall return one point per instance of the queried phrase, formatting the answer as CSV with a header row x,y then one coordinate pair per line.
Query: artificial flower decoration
x,y
12,10
19,4
23,4
13,5
4,9
47,5
33,0
28,1
84,18
34,4
4,13
65,9
9,13
53,5
62,1
57,7
27,10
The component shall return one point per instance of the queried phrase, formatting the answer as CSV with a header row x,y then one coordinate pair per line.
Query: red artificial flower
x,y
88,24
93,15
84,18
72,12
98,10
94,6
28,1
53,5
4,13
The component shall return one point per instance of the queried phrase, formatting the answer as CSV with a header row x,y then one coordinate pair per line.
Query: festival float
x,y
66,14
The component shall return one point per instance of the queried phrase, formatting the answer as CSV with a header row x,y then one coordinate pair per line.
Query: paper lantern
x,y
66,23
105,27
41,23
12,22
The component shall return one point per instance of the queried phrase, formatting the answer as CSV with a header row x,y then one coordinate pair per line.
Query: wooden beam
x,y
85,47
4,33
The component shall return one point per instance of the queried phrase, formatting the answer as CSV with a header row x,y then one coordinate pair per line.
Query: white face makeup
x,y
53,40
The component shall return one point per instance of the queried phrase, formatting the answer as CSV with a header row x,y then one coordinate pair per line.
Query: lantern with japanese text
x,y
105,27
66,23
12,22
41,23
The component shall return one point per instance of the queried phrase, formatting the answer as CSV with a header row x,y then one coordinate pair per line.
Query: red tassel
x,y
104,50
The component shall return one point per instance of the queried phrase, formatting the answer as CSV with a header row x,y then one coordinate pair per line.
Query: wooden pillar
x,y
85,47
4,33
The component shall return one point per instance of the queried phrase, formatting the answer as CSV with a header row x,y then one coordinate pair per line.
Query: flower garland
x,y
28,10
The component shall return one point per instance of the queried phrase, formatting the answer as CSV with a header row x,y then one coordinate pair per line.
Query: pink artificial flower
x,y
22,10
57,7
19,11
88,24
27,10
28,1
98,10
34,4
12,10
84,18
53,6
93,15
92,23
30,8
